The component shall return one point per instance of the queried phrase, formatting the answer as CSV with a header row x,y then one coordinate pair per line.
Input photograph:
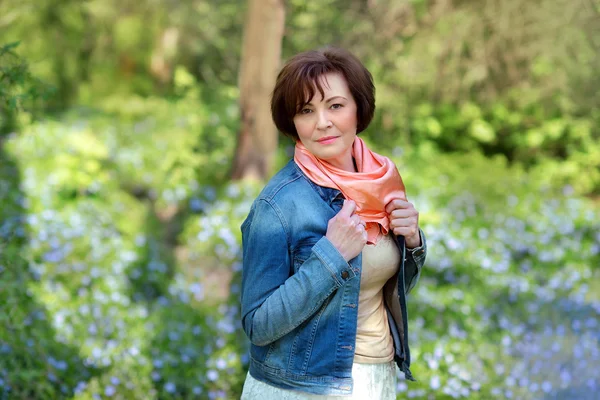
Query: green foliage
x,y
506,245
516,79
18,87
119,233
121,269
14,75
555,145
103,302
214,234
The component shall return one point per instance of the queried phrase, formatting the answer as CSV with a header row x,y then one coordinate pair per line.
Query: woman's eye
x,y
305,111
336,106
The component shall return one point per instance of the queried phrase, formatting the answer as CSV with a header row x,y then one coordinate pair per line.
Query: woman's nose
x,y
323,121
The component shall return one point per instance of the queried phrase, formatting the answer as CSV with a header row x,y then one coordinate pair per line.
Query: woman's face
x,y
327,126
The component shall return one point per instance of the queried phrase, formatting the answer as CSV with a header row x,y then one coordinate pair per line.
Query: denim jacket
x,y
300,297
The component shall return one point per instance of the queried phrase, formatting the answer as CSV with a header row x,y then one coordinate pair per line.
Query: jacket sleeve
x,y
413,263
274,299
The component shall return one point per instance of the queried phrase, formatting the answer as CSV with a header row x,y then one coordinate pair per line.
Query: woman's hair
x,y
300,75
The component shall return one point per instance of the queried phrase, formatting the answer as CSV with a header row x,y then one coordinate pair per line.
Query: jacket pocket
x,y
304,343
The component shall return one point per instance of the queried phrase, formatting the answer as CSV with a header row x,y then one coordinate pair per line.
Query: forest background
x,y
133,139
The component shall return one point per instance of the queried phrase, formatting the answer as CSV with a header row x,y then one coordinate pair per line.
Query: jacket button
x,y
344,274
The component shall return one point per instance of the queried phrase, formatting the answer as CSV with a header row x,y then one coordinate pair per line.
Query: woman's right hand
x,y
346,231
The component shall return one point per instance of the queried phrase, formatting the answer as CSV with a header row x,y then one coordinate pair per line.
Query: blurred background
x,y
134,136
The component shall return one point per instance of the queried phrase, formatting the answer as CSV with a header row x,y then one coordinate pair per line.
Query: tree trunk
x,y
261,54
163,58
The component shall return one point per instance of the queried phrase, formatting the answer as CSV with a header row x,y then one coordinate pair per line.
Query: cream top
x,y
374,343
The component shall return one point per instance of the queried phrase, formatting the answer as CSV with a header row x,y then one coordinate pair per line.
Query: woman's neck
x,y
347,164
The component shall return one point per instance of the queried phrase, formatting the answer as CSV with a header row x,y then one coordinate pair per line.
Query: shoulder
x,y
289,193
285,185
283,194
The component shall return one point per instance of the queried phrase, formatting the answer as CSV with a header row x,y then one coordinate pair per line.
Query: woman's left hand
x,y
404,220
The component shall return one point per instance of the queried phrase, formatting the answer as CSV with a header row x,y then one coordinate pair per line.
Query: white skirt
x,y
371,381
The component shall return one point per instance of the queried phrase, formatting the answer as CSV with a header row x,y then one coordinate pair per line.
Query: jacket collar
x,y
330,195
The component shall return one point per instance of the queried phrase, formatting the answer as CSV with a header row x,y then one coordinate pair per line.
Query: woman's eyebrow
x,y
335,97
328,100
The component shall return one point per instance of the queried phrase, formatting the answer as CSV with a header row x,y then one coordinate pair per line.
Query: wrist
x,y
413,241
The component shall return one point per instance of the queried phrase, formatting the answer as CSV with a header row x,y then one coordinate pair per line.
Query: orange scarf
x,y
376,183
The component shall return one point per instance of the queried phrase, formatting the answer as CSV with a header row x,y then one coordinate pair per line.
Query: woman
x,y
330,246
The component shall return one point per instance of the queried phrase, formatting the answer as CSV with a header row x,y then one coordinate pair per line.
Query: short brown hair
x,y
300,75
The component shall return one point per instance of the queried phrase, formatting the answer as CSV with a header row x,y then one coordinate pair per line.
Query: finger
x,y
365,236
403,213
405,231
405,221
396,203
362,231
347,208
401,225
355,219
389,207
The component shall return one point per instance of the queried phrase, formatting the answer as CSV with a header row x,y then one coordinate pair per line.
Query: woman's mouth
x,y
327,139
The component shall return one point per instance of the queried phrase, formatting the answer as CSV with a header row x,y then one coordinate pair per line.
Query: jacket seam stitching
x,y
282,221
326,265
